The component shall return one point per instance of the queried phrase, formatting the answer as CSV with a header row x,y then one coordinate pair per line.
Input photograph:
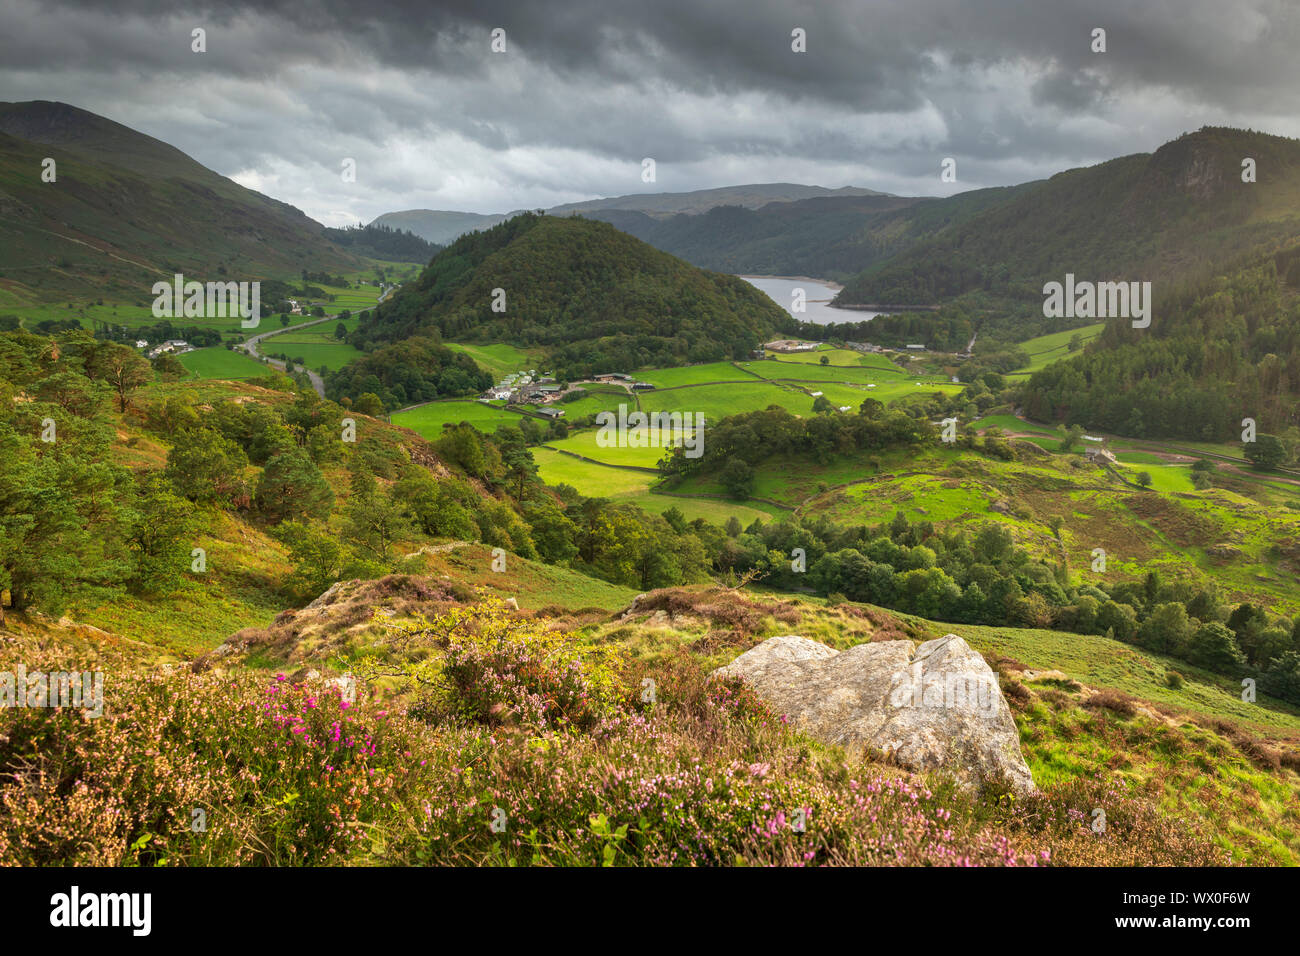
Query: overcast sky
x,y
710,89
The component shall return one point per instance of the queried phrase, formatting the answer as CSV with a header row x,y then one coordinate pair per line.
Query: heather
x,y
477,737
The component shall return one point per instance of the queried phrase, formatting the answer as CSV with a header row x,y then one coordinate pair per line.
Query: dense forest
x,y
595,298
1216,352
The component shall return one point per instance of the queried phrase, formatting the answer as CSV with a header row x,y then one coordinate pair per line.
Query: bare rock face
x,y
938,708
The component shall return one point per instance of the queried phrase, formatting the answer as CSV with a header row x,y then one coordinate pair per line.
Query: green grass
x,y
719,401
585,443
314,355
692,375
498,360
533,584
218,362
1046,349
1103,662
601,481
428,420
1009,423
842,357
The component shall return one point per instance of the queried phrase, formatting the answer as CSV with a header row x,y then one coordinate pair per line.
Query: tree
x,y
738,478
169,367
1265,452
369,404
291,486
1166,630
158,536
520,467
319,558
1144,479
121,367
822,405
340,331
1071,439
205,466
1215,646
1119,619
284,320
373,520
59,525
677,521
825,360
733,527
554,533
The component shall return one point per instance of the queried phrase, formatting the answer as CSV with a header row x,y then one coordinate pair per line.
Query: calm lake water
x,y
816,302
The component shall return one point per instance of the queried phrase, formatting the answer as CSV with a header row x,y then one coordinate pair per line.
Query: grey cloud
x,y
588,87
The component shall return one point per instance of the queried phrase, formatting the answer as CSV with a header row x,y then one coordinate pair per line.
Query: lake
x,y
818,295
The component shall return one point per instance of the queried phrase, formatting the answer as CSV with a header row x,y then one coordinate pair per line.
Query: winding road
x,y
250,344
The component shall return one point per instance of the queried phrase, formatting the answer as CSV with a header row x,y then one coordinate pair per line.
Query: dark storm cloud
x,y
709,88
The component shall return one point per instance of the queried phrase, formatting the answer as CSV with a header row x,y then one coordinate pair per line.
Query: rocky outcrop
x,y
938,707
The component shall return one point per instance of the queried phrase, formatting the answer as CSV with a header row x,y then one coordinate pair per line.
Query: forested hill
x,y
1217,352
596,298
1179,212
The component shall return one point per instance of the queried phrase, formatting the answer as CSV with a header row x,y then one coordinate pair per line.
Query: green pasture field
x,y
719,401
584,443
596,400
428,420
1046,349
497,360
1164,476
807,374
314,355
219,362
842,357
692,375
601,481
1009,423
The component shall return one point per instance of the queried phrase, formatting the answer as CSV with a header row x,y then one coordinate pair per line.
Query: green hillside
x,y
126,210
1166,215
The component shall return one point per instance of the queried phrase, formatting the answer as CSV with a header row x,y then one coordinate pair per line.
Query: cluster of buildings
x,y
620,378
1098,453
520,388
791,345
178,346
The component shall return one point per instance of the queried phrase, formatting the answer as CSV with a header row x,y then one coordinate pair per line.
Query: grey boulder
x,y
938,708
